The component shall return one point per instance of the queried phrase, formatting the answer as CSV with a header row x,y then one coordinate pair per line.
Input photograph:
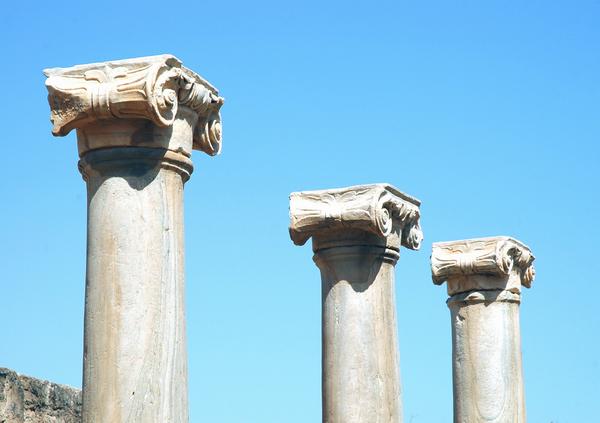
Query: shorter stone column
x,y
484,278
357,233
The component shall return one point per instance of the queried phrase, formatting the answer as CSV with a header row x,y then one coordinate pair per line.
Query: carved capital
x,y
151,88
379,209
484,263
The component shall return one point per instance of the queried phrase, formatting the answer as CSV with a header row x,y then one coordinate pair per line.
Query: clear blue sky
x,y
486,111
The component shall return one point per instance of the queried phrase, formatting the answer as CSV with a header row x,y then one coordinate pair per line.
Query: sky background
x,y
485,111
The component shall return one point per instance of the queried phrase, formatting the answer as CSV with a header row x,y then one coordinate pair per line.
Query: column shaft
x,y
486,357
135,363
361,381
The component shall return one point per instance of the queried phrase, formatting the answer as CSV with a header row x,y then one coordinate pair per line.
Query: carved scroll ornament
x,y
498,256
146,88
372,208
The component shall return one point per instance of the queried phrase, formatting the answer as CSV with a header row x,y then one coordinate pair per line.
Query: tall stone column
x,y
484,278
357,233
137,122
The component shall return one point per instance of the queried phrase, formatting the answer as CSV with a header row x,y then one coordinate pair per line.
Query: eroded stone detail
x,y
151,88
484,263
24,399
373,208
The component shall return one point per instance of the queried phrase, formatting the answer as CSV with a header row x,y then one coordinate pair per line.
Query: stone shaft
x,y
135,360
484,278
486,358
361,376
357,233
137,122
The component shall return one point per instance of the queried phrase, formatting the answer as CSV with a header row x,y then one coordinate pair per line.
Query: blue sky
x,y
486,111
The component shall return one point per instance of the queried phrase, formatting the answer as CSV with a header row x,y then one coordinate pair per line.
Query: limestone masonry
x,y
24,399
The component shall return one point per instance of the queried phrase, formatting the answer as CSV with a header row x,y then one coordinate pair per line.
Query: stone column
x,y
137,122
357,233
484,278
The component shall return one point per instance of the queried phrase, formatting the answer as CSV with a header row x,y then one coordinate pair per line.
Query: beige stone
x,y
484,278
357,233
104,100
137,122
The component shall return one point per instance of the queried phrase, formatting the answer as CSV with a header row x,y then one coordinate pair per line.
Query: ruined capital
x,y
152,88
379,209
483,263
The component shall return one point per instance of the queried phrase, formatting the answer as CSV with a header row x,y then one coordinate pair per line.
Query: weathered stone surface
x,y
357,233
484,278
24,399
484,263
379,209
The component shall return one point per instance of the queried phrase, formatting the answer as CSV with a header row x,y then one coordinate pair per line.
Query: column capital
x,y
152,88
482,264
378,209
